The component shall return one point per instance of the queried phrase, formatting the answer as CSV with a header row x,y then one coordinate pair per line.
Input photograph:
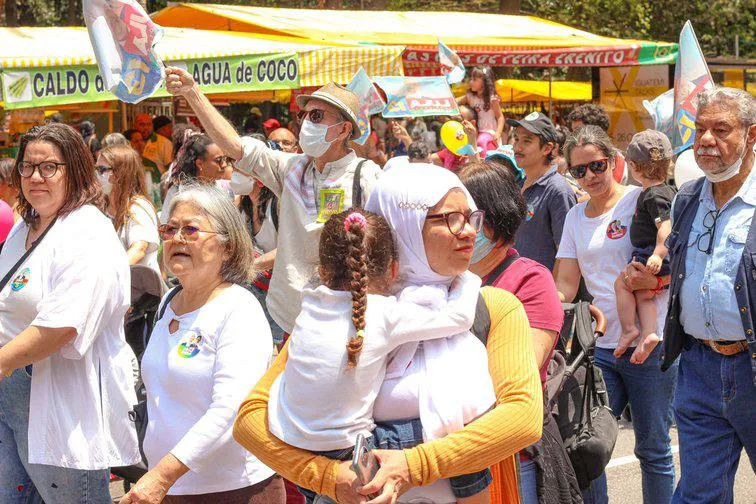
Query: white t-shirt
x,y
196,379
317,403
602,248
77,277
142,226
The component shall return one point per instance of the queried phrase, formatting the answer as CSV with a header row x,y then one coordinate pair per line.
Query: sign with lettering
x,y
37,87
417,96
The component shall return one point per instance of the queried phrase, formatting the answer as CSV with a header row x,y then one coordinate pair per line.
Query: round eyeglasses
x,y
456,221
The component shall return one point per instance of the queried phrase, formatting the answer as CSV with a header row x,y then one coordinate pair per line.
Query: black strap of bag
x,y
356,187
496,273
24,257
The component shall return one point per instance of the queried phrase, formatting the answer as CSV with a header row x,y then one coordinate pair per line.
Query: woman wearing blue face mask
x,y
495,190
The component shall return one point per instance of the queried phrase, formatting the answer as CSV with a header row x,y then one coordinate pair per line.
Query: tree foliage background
x,y
716,22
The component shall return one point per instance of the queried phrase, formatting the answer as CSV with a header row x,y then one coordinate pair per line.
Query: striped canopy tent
x,y
479,39
68,51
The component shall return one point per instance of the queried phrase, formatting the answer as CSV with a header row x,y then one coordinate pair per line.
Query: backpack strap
x,y
356,187
497,272
482,323
168,298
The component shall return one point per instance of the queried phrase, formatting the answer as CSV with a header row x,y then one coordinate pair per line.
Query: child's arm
x,y
410,321
462,100
496,107
654,262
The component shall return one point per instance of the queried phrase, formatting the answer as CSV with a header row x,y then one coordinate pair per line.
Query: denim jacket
x,y
685,207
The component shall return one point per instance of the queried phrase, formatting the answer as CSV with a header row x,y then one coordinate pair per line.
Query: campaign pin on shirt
x,y
21,280
530,213
190,345
331,203
531,117
615,230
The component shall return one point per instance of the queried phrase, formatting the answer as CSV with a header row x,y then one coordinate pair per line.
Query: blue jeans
x,y
22,482
528,482
399,435
715,407
649,392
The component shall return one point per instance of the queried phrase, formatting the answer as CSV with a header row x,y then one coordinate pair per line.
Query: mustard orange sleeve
x,y
299,466
515,422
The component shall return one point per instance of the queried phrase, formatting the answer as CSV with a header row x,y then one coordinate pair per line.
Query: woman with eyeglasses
x,y
199,158
66,384
596,244
434,223
210,345
121,174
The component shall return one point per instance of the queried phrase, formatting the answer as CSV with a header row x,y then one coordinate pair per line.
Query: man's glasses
x,y
315,116
705,242
597,167
456,221
46,169
190,233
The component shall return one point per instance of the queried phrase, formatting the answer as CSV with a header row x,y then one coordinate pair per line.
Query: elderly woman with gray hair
x,y
210,345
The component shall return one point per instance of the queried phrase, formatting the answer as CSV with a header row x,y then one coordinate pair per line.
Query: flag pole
x,y
551,115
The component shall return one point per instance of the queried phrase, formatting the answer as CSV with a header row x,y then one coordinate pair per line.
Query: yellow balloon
x,y
453,135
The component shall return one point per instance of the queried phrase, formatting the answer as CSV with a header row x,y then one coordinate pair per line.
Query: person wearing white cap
x,y
311,186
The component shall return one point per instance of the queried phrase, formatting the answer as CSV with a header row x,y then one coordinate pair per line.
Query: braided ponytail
x,y
354,225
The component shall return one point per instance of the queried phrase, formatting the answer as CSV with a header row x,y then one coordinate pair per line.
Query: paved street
x,y
624,473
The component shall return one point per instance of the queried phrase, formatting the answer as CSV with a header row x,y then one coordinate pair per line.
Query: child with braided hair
x,y
348,326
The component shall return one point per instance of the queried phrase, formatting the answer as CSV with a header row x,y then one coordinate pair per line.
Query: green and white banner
x,y
39,87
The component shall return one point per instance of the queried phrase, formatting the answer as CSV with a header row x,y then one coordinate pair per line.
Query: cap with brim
x,y
538,124
340,97
647,146
506,152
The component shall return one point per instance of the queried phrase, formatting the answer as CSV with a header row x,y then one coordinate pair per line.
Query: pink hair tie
x,y
355,218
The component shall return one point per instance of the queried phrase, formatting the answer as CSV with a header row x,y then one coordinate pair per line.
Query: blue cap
x,y
506,152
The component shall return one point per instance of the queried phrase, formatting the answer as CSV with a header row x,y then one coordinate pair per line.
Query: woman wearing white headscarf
x,y
423,204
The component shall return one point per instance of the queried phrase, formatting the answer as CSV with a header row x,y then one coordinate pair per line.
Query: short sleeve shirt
x,y
534,286
653,208
548,200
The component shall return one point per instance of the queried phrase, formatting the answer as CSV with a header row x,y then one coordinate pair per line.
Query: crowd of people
x,y
320,294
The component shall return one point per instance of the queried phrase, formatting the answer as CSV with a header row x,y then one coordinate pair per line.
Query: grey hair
x,y
589,135
112,139
227,222
740,102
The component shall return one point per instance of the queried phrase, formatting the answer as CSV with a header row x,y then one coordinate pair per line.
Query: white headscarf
x,y
403,197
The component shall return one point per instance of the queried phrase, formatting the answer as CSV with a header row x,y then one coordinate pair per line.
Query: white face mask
x,y
241,184
107,187
728,172
312,138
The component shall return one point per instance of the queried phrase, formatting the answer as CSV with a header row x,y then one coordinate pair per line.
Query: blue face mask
x,y
483,247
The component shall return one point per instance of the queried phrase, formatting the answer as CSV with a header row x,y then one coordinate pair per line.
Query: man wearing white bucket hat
x,y
327,179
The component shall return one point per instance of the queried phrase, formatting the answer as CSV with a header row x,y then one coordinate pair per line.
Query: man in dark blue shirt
x,y
547,194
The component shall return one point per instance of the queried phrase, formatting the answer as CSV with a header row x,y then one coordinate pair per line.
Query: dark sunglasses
x,y
456,221
597,167
222,160
190,233
103,169
315,116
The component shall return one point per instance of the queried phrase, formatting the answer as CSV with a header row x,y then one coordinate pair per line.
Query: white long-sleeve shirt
x,y
317,403
196,378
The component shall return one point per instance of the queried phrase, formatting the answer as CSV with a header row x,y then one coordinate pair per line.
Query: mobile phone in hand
x,y
364,463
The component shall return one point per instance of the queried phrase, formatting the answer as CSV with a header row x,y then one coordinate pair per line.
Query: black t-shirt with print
x,y
653,207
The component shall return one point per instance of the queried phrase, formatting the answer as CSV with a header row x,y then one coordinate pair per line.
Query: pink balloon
x,y
6,220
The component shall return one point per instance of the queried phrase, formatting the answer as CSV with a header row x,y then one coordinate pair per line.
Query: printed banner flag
x,y
123,38
661,109
417,96
370,102
691,77
451,64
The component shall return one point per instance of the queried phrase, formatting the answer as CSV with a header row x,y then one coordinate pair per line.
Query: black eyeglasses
x,y
315,116
190,233
103,169
597,167
46,169
456,221
709,222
